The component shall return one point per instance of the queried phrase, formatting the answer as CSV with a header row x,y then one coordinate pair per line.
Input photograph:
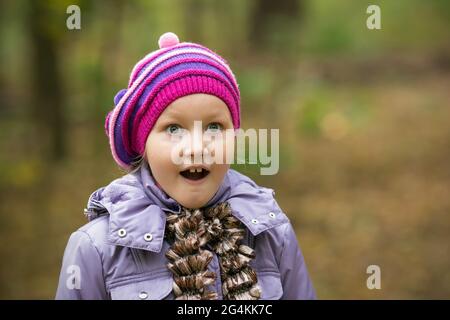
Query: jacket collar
x,y
137,207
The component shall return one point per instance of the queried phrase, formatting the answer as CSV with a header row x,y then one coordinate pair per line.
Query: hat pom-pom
x,y
168,39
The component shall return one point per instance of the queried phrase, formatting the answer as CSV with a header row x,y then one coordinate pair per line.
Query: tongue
x,y
193,175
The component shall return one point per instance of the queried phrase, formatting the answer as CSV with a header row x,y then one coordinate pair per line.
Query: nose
x,y
195,146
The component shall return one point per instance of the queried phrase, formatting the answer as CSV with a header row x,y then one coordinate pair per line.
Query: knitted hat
x,y
161,77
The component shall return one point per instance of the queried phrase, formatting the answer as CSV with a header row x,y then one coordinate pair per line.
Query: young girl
x,y
168,230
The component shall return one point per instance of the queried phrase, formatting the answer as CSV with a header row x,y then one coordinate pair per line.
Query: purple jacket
x,y
101,262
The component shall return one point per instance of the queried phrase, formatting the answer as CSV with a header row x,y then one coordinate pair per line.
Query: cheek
x,y
229,146
221,149
159,156
218,173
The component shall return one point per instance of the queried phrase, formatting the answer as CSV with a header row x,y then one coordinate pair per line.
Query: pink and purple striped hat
x,y
171,72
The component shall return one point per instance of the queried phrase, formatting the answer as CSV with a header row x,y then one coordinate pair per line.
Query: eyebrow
x,y
216,113
176,116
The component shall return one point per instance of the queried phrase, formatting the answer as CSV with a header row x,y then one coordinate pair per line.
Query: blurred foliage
x,y
363,118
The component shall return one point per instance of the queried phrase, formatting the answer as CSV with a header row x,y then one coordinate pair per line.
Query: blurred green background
x,y
363,116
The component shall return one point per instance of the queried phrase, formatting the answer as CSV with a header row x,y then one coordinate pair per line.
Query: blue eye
x,y
214,127
173,129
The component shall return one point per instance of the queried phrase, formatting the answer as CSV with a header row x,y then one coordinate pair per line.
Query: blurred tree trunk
x,y
193,14
47,97
108,50
268,15
274,31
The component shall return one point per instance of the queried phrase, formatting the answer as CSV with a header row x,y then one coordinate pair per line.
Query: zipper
x,y
137,259
249,239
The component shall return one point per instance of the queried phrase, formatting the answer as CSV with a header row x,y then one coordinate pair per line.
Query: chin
x,y
193,204
194,200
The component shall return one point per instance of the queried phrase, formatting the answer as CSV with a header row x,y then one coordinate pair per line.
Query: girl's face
x,y
174,136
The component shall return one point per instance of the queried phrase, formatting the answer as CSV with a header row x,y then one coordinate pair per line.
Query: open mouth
x,y
194,173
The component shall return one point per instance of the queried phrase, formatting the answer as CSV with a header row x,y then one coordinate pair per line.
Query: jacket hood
x,y
137,207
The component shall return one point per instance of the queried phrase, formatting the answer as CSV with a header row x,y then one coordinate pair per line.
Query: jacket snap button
x,y
148,237
254,221
272,215
143,295
122,233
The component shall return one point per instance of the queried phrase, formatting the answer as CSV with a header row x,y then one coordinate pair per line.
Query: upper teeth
x,y
192,170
